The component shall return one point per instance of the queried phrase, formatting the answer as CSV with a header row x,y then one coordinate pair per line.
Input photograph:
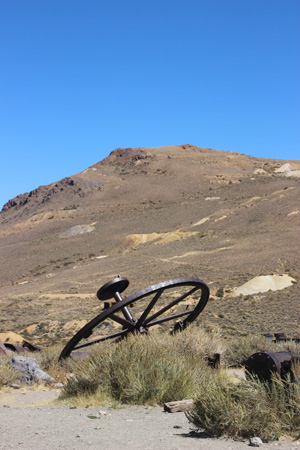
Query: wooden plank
x,y
179,406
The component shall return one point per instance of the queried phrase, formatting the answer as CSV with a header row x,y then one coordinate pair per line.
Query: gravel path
x,y
29,421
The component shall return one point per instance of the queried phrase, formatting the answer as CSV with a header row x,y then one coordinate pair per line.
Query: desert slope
x,y
153,214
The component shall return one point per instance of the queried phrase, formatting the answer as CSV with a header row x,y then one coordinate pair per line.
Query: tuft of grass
x,y
240,348
289,346
48,361
7,374
145,369
197,343
250,408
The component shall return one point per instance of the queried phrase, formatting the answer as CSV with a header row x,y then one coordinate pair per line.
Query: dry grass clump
x,y
7,374
144,369
289,346
48,361
250,408
198,343
240,348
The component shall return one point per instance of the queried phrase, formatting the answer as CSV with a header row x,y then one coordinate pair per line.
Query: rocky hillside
x,y
152,215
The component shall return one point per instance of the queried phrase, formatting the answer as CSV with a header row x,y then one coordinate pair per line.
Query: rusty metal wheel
x,y
160,305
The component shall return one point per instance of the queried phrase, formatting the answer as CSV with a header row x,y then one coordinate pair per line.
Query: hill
x,y
152,215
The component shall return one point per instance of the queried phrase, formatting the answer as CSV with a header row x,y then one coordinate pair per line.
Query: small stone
x,y
102,413
177,426
255,442
58,385
6,406
72,407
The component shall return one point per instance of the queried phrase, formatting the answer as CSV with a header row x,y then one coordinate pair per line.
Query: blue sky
x,y
80,78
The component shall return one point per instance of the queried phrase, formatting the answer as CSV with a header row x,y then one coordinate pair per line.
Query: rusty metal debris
x,y
7,348
154,306
280,337
3,349
264,365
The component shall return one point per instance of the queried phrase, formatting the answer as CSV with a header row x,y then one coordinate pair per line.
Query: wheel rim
x,y
170,306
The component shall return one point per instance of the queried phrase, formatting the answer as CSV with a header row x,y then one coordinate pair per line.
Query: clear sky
x,y
79,78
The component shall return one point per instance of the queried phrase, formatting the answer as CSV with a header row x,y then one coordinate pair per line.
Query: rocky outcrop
x,y
43,193
128,157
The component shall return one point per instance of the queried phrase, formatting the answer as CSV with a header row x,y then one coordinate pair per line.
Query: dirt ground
x,y
30,420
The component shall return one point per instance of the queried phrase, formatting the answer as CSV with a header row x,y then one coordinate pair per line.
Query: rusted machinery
x,y
280,337
159,305
264,365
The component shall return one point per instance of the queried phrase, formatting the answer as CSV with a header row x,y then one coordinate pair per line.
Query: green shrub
x,y
220,292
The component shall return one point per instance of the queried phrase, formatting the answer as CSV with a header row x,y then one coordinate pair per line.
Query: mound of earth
x,y
265,283
9,337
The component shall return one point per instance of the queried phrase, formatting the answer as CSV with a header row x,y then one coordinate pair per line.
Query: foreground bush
x,y
144,369
250,408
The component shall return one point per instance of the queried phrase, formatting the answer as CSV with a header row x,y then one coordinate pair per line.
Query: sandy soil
x,y
29,420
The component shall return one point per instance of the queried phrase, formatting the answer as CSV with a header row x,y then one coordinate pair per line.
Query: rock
x,y
30,370
58,385
255,442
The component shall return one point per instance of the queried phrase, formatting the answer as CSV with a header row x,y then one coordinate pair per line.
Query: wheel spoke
x,y
166,319
103,338
170,305
149,307
121,321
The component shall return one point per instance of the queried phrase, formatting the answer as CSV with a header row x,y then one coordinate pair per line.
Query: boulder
x,y
30,372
